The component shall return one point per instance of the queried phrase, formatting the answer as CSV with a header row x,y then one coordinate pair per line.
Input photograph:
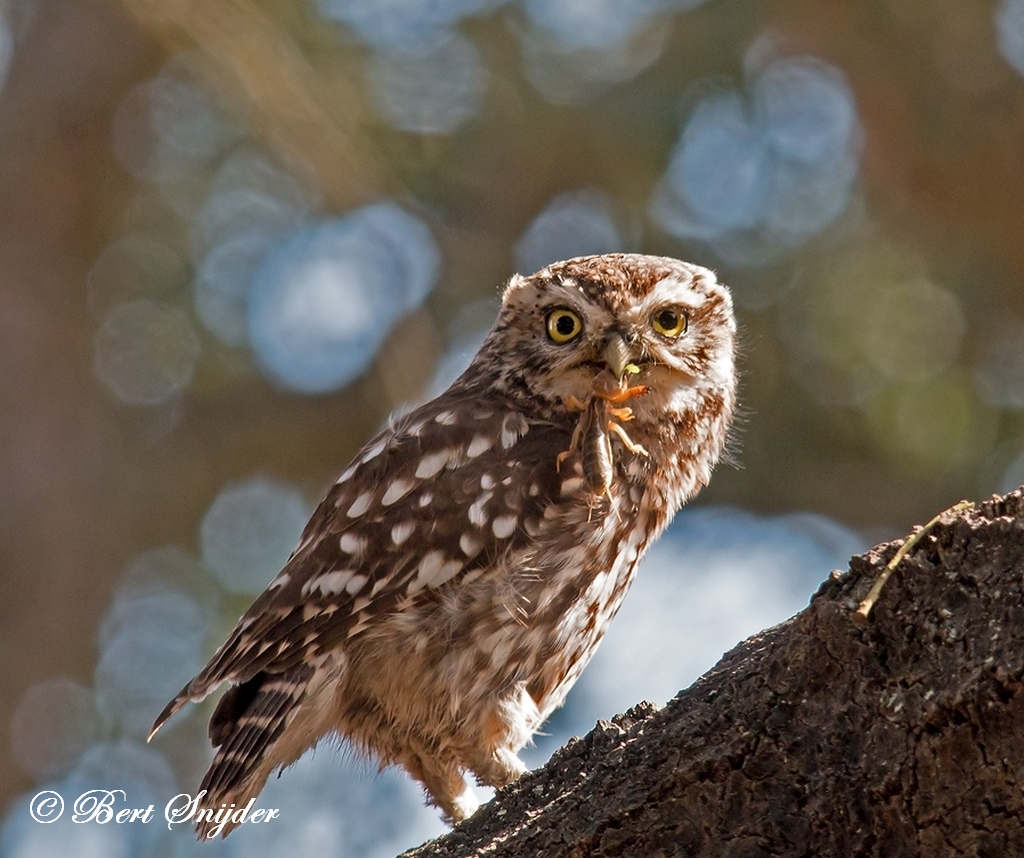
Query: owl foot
x,y
500,768
445,786
462,806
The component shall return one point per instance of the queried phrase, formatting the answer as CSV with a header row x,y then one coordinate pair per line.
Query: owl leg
x,y
504,731
445,785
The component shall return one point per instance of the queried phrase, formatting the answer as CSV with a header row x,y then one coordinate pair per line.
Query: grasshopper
x,y
592,437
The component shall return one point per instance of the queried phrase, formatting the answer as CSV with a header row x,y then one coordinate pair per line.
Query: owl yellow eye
x,y
564,326
669,322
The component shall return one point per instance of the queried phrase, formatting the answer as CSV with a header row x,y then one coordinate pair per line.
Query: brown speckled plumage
x,y
454,582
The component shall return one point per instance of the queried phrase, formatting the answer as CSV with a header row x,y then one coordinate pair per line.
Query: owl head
x,y
669,322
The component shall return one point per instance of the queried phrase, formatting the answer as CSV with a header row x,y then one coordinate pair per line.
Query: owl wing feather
x,y
249,718
389,528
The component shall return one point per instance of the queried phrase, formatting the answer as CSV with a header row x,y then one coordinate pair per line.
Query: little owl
x,y
458,576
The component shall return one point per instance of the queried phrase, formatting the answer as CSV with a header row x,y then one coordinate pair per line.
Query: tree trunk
x,y
900,736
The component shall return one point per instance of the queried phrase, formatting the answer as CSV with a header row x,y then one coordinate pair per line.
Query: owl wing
x,y
444,493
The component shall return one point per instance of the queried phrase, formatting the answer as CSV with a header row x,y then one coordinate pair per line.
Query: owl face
x,y
667,324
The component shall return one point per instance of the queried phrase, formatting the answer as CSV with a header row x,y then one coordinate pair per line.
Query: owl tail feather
x,y
245,728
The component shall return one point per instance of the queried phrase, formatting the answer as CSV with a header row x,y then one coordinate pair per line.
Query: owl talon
x,y
463,806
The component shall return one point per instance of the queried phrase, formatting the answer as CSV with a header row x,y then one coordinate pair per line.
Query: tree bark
x,y
901,736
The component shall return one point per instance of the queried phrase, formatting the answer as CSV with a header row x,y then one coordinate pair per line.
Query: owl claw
x,y
463,806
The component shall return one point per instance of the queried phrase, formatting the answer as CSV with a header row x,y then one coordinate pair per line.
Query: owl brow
x,y
671,290
709,308
564,294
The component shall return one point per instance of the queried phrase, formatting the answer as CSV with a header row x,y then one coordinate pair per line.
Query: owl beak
x,y
617,354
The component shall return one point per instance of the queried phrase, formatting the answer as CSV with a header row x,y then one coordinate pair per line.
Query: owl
x,y
456,579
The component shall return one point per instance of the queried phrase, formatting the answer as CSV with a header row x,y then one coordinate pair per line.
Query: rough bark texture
x,y
904,736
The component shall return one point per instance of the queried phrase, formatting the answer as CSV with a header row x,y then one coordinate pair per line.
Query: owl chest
x,y
529,622
592,591
567,594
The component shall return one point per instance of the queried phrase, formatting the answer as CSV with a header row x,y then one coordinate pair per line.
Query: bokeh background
x,y
236,235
